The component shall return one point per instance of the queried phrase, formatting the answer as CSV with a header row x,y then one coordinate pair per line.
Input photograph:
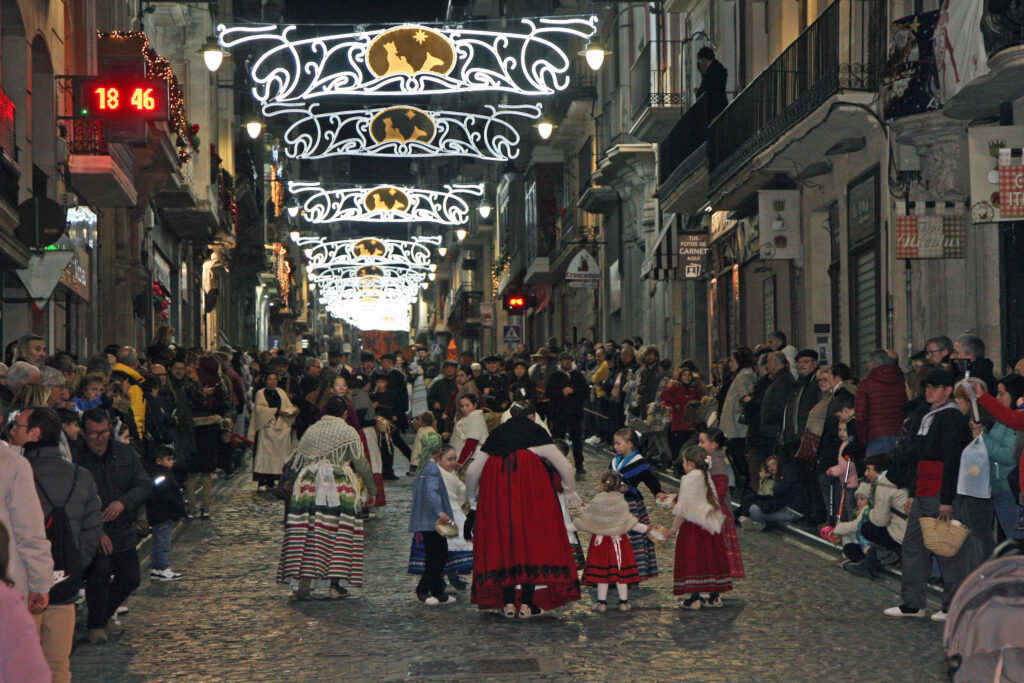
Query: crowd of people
x,y
97,455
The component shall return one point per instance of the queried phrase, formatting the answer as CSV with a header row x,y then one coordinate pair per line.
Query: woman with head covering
x,y
323,533
470,430
209,404
271,428
521,540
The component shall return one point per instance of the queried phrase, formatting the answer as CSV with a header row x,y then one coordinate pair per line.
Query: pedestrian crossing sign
x,y
513,334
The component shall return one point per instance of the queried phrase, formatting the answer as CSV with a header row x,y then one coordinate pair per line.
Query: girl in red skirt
x,y
712,440
610,557
701,563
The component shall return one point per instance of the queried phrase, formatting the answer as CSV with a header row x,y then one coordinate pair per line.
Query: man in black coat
x,y
439,391
494,384
773,405
567,390
712,82
123,486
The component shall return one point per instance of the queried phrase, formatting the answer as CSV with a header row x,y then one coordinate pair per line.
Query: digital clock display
x,y
121,98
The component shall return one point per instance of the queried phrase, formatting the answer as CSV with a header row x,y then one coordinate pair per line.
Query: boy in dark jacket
x,y
164,507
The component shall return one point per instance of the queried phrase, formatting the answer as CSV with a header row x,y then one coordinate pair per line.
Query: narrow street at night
x,y
797,617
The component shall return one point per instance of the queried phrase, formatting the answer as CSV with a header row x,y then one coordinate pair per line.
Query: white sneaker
x,y
594,440
431,601
750,525
939,616
120,610
898,611
164,575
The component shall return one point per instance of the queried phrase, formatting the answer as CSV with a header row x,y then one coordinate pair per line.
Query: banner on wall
x,y
959,46
997,176
926,231
907,86
778,218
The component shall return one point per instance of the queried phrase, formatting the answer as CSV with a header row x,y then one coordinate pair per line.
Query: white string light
x,y
402,131
384,203
409,60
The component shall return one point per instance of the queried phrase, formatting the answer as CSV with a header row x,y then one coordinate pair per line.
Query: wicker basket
x,y
449,530
943,538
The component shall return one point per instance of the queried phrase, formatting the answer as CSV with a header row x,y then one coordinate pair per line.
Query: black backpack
x,y
67,560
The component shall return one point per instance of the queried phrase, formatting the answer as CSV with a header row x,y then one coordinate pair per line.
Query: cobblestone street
x,y
797,617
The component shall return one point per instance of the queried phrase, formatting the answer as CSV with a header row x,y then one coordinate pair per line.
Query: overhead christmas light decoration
x,y
384,203
413,254
401,131
409,60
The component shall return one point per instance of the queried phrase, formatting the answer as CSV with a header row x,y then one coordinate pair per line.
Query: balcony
x,y
465,312
683,162
572,107
103,173
1003,30
837,59
188,203
655,94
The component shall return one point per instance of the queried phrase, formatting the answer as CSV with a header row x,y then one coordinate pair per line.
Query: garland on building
x,y
161,300
158,67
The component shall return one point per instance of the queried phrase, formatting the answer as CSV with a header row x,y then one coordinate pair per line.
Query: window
x,y
863,306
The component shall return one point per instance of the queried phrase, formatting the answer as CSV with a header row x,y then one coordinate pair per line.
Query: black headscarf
x,y
515,434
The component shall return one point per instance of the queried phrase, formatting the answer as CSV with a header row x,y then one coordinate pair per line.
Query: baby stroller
x,y
984,640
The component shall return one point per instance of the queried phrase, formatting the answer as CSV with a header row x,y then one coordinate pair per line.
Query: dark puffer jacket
x,y
879,403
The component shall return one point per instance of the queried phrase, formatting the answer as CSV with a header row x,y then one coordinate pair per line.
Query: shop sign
x,y
583,270
778,217
997,177
941,235
693,253
487,315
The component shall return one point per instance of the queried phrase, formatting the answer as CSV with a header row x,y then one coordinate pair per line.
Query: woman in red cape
x,y
519,536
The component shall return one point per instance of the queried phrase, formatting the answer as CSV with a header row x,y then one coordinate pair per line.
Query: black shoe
x,y
858,569
389,476
457,583
580,472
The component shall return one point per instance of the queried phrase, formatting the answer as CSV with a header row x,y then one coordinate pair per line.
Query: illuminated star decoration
x,y
384,203
316,132
408,60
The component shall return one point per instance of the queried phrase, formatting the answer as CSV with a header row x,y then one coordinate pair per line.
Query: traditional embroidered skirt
x,y
610,560
460,551
643,547
519,536
701,562
732,547
322,542
379,500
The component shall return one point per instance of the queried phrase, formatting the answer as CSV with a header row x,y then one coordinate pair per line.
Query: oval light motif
x,y
386,198
403,124
368,247
410,50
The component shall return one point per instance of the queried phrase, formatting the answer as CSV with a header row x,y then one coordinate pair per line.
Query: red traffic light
x,y
517,302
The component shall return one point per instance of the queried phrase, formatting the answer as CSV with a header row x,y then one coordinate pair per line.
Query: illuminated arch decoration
x,y
413,254
384,203
403,131
409,60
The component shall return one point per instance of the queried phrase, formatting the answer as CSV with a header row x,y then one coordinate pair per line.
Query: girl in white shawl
x,y
471,430
323,534
271,429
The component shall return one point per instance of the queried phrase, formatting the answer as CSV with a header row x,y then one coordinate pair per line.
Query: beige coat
x,y
31,564
274,443
888,501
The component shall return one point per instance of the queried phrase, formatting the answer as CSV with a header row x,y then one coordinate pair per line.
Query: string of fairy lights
x,y
298,77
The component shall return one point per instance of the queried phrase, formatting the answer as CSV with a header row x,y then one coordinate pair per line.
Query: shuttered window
x,y
864,307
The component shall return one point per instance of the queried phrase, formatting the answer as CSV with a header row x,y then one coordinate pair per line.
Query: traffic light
x,y
517,301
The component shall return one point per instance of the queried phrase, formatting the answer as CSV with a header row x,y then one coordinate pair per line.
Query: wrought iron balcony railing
x,y
843,50
654,82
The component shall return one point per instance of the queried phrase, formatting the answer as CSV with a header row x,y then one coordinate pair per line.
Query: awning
x,y
661,265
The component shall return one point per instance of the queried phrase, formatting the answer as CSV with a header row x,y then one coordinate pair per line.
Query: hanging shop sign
x,y
408,60
384,203
778,218
927,230
583,270
318,132
693,253
997,175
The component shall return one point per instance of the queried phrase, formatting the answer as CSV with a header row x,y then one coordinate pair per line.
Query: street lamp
x,y
484,209
294,234
253,126
431,276
460,234
213,54
545,128
433,267
292,207
594,53
442,250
